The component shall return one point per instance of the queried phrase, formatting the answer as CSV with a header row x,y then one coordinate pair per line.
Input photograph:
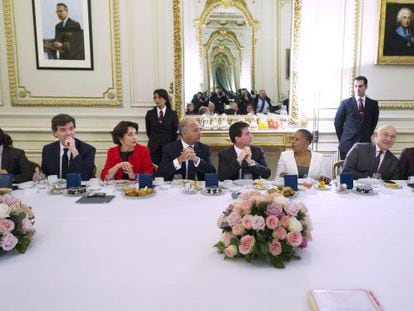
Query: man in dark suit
x,y
365,159
356,118
186,156
407,163
242,158
68,154
13,160
219,99
263,104
68,36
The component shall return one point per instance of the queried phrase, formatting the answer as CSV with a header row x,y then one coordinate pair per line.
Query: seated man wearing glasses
x,y
366,159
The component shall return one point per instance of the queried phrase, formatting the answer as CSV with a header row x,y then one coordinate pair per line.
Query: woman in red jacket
x,y
128,158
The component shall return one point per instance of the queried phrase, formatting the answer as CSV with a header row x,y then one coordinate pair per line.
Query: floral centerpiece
x,y
268,226
16,225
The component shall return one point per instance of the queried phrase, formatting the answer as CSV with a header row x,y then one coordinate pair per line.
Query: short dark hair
x,y
236,130
62,4
163,94
307,134
362,78
121,129
5,139
61,120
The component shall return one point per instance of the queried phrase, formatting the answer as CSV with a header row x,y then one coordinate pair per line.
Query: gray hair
x,y
183,125
403,11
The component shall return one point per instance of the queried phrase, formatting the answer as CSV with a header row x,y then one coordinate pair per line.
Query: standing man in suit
x,y
68,154
356,118
161,124
365,159
186,156
68,36
242,158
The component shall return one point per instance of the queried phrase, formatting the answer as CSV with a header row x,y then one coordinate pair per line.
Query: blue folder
x,y
145,180
6,180
211,180
291,181
348,179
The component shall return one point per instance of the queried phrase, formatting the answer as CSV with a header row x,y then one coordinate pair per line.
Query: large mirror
x,y
235,46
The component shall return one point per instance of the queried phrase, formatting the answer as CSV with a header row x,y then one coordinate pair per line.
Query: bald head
x,y
385,137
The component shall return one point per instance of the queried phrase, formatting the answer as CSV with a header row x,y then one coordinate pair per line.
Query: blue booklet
x,y
211,180
145,180
291,181
6,181
348,179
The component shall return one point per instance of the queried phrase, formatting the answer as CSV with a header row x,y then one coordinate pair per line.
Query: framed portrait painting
x,y
396,32
63,36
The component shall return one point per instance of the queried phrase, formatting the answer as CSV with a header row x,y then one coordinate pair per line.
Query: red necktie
x,y
161,118
361,108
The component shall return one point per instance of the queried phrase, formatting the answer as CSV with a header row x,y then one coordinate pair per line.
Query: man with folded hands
x,y
186,157
366,159
242,158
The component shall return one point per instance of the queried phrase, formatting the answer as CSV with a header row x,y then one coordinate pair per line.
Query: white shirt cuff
x,y
253,163
176,164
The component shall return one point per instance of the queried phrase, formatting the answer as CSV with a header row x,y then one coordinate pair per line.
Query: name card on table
x,y
211,180
291,181
348,179
6,180
145,180
73,180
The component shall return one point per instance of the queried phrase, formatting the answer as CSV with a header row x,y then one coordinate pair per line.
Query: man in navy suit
x,y
242,158
68,154
186,156
68,35
365,159
356,118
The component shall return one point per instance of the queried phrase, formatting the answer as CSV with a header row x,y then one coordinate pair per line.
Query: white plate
x,y
26,185
243,182
139,198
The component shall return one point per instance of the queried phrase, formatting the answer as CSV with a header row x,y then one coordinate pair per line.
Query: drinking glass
x,y
307,181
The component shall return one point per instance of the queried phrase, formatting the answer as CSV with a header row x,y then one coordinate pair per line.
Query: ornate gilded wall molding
x,y
296,37
178,58
21,95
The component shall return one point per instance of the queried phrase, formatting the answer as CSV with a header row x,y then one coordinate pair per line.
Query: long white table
x,y
157,254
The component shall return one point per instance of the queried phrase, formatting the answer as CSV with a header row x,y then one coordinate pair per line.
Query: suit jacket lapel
x,y
371,159
5,158
56,155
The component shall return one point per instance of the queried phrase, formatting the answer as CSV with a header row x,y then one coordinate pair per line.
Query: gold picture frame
x,y
396,32
29,86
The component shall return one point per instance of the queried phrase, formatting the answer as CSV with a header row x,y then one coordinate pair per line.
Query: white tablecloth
x,y
157,254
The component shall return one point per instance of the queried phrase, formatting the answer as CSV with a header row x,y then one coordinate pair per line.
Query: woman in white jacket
x,y
300,160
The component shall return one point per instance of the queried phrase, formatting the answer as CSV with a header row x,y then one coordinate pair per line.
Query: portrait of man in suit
x,y
399,37
186,157
242,158
356,118
366,159
63,35
68,41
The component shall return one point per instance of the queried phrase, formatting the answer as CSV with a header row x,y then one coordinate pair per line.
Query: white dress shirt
x,y
177,165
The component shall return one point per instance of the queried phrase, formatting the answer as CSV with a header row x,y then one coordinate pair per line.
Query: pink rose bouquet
x,y
16,225
264,226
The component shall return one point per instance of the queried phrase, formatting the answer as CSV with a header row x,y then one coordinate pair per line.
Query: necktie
x,y
190,170
161,118
361,109
65,163
378,160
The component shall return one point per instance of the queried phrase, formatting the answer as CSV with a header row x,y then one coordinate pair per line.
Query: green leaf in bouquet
x,y
277,262
301,216
263,248
235,241
220,246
